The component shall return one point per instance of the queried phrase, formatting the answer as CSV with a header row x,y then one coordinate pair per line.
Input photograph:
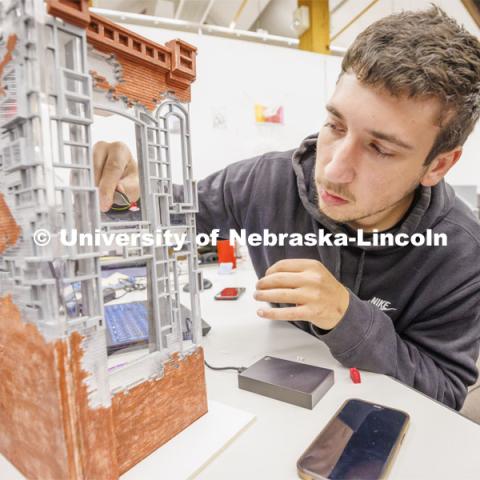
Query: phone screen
x,y
357,443
229,292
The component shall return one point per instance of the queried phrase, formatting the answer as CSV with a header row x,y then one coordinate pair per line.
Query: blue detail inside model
x,y
127,322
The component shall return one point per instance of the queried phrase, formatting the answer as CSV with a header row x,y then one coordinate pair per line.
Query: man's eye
x,y
380,152
333,127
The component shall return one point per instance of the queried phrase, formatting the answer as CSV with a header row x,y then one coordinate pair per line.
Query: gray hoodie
x,y
414,312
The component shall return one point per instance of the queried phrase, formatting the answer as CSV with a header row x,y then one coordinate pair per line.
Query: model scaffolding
x,y
63,414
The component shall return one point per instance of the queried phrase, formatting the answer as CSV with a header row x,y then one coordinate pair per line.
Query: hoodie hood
x,y
429,207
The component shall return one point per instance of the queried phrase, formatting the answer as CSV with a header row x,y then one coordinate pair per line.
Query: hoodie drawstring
x,y
337,263
359,274
358,277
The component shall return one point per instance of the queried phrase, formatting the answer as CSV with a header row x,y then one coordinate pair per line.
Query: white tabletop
x,y
439,444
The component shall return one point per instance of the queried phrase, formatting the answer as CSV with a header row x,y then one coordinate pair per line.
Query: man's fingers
x,y
130,187
130,182
294,265
280,280
113,170
287,313
100,152
281,295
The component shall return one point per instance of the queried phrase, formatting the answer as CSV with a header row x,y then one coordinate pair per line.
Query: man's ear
x,y
439,167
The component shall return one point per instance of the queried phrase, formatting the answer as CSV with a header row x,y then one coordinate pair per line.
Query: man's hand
x,y
115,169
318,296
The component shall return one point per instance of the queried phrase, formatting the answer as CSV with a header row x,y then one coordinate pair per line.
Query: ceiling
x,y
212,12
276,16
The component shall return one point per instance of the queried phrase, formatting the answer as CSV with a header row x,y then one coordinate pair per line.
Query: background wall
x,y
232,76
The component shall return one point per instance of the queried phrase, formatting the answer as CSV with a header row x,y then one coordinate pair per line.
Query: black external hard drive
x,y
292,382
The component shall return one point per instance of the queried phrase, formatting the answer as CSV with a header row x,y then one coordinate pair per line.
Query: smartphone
x,y
360,441
231,293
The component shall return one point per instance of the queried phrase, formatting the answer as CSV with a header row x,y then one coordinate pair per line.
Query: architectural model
x,y
63,414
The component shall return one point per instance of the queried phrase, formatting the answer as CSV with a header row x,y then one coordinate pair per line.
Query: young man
x,y
406,101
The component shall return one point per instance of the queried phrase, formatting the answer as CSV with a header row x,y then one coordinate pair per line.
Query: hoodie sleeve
x,y
224,197
436,354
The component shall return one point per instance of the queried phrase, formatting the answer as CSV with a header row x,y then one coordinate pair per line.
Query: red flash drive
x,y
355,375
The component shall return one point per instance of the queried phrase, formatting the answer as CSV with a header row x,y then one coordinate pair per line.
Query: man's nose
x,y
340,169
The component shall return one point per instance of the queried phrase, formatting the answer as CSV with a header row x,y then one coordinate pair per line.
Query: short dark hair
x,y
423,54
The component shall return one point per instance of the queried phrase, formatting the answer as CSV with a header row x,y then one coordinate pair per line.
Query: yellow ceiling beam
x,y
317,37
472,10
353,20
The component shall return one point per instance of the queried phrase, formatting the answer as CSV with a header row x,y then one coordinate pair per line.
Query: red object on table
x,y
355,375
226,252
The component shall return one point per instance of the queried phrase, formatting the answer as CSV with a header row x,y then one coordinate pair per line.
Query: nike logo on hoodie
x,y
383,305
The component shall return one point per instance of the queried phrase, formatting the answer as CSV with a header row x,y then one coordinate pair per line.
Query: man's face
x,y
370,154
